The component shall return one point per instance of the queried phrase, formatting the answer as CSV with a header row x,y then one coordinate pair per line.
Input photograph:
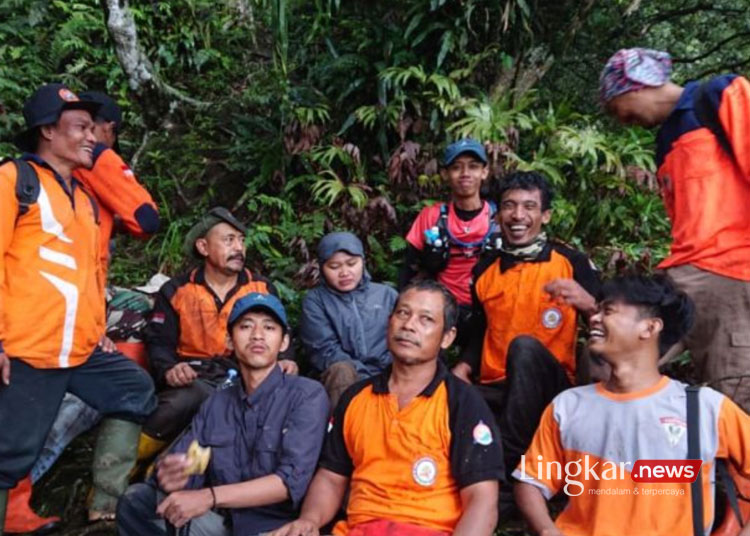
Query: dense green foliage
x,y
318,115
306,116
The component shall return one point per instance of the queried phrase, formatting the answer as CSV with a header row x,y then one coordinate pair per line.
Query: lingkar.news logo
x,y
586,468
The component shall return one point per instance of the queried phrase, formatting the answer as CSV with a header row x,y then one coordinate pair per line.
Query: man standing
x,y
446,239
417,448
265,435
186,336
528,298
124,202
591,437
51,298
703,161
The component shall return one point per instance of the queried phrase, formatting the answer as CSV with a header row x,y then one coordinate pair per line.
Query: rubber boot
x,y
148,448
114,457
20,518
730,525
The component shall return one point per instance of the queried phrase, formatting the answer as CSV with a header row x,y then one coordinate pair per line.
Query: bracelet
x,y
213,495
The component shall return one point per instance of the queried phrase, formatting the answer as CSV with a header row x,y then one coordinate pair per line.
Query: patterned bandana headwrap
x,y
630,69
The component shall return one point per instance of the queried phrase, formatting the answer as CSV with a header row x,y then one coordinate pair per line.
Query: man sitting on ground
x,y
528,297
265,435
186,338
637,414
417,448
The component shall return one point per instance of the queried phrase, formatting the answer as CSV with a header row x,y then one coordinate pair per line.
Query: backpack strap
x,y
27,184
708,116
694,453
479,245
730,488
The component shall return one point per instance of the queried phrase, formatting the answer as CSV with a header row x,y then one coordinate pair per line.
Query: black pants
x,y
110,383
178,405
533,378
463,326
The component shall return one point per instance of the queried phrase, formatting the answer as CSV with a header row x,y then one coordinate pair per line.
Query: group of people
x,y
392,433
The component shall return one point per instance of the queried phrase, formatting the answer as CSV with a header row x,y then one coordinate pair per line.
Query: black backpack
x,y
27,184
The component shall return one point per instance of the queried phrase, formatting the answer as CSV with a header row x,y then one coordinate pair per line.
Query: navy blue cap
x,y
45,106
257,301
466,145
339,241
109,109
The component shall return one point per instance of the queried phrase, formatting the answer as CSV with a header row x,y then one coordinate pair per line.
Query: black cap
x,y
45,106
109,109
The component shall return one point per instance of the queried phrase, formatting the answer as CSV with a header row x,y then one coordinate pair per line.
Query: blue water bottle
x,y
432,236
230,379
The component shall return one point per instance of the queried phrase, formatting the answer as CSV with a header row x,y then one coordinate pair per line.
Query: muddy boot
x,y
114,457
20,518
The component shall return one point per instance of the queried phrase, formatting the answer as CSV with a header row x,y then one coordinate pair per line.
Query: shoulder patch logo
x,y
482,434
424,471
674,428
551,317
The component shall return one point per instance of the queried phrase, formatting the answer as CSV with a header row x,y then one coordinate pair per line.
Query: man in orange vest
x,y
416,448
51,294
186,336
527,301
703,169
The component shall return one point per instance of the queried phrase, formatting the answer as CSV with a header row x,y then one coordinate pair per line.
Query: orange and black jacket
x,y
189,321
509,300
118,193
705,190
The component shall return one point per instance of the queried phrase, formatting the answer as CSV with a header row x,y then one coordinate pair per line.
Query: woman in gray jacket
x,y
345,318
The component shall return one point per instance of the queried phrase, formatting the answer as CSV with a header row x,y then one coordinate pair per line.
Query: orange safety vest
x,y
118,192
706,192
515,303
203,322
51,297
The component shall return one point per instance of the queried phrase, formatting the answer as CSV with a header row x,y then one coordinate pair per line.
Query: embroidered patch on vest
x,y
424,471
551,317
674,428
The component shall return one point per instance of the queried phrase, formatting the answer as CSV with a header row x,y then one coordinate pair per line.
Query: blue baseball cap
x,y
256,301
466,145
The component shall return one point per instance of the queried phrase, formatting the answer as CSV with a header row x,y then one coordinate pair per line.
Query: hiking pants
x,y
719,341
534,377
136,514
109,382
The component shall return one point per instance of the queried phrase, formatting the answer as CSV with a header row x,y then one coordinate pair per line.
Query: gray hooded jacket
x,y
337,326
